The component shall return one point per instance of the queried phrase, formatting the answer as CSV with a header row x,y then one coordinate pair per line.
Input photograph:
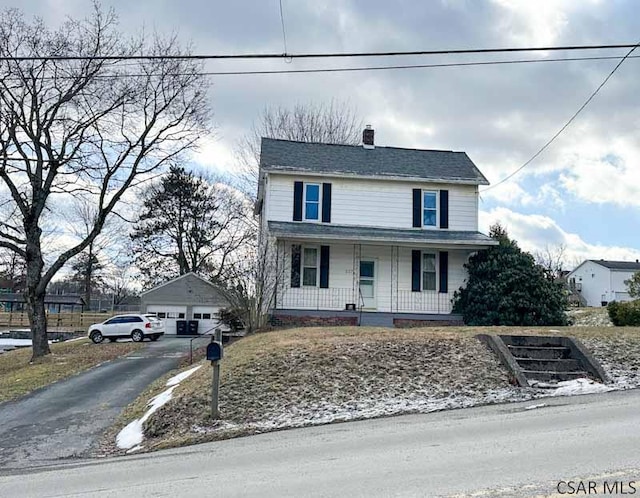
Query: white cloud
x,y
532,23
536,232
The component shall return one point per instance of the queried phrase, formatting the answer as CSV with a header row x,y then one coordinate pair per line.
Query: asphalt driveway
x,y
66,419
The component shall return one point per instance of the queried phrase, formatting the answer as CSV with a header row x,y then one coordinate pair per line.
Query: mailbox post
x,y
214,354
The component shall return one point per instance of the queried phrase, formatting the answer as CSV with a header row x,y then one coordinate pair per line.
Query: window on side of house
x,y
429,208
311,201
197,316
310,267
428,271
206,316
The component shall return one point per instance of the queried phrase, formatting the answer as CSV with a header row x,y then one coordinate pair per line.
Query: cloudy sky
x,y
583,192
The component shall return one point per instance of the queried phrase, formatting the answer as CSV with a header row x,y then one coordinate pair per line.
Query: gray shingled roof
x,y
16,297
618,265
285,155
292,230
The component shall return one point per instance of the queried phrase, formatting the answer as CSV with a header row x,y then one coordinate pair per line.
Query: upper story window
x,y
429,209
311,201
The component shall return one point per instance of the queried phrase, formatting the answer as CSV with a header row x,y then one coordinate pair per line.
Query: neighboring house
x,y
380,230
188,297
600,281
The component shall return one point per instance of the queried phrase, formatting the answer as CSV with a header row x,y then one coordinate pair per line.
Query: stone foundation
x,y
312,321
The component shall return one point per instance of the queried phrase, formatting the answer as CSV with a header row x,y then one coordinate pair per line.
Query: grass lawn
x,y
309,376
18,376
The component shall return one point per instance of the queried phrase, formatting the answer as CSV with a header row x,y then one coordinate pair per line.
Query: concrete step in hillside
x,y
544,358
540,352
561,365
551,376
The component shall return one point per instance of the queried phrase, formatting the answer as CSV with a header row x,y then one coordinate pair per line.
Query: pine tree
x,y
505,287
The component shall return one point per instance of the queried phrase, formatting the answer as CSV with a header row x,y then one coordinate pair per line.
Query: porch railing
x,y
424,302
315,298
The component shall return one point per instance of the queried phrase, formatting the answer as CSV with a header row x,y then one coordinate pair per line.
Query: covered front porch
x,y
412,272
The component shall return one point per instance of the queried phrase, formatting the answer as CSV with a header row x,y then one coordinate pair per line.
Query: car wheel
x,y
154,337
96,336
137,336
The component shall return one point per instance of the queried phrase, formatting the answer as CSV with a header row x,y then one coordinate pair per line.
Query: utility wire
x,y
312,55
284,33
566,125
341,69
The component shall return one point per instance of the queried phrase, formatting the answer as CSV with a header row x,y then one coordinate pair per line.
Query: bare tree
x,y
552,259
76,122
251,284
119,280
90,265
334,123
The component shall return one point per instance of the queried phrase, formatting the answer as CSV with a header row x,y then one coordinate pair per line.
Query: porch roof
x,y
316,231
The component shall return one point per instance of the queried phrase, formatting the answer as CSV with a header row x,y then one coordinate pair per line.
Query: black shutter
x,y
415,271
297,201
444,271
324,267
296,251
326,203
417,208
444,209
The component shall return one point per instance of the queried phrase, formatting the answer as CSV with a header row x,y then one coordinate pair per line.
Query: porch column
x,y
394,278
356,274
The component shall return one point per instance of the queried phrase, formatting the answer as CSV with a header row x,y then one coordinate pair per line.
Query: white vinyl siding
x,y
341,278
358,201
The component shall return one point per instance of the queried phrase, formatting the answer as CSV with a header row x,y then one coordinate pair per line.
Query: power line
x,y
567,124
317,55
343,69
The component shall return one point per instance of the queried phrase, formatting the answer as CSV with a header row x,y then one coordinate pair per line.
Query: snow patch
x,y
132,435
176,379
580,386
534,407
15,342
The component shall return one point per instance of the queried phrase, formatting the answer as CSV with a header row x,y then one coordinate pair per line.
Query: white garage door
x,y
207,317
169,314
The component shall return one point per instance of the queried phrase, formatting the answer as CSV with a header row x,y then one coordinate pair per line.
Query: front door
x,y
368,284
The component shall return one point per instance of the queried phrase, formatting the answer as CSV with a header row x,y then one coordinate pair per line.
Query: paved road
x,y
65,419
500,448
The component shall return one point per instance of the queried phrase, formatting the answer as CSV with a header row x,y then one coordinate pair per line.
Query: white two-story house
x,y
367,234
601,281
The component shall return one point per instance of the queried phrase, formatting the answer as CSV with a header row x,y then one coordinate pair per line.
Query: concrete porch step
x,y
369,319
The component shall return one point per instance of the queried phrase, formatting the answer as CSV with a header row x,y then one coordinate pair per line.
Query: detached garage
x,y
188,297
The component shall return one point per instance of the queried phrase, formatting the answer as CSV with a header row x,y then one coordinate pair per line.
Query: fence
x,y
75,321
424,302
315,298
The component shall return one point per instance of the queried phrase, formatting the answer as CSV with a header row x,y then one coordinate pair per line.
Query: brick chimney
x,y
367,137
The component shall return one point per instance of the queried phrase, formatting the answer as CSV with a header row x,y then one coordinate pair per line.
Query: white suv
x,y
137,327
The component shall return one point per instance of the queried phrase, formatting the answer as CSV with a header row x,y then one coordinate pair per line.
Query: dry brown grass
x,y
280,374
18,376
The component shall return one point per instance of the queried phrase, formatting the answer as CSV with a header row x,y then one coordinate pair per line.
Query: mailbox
x,y
214,351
